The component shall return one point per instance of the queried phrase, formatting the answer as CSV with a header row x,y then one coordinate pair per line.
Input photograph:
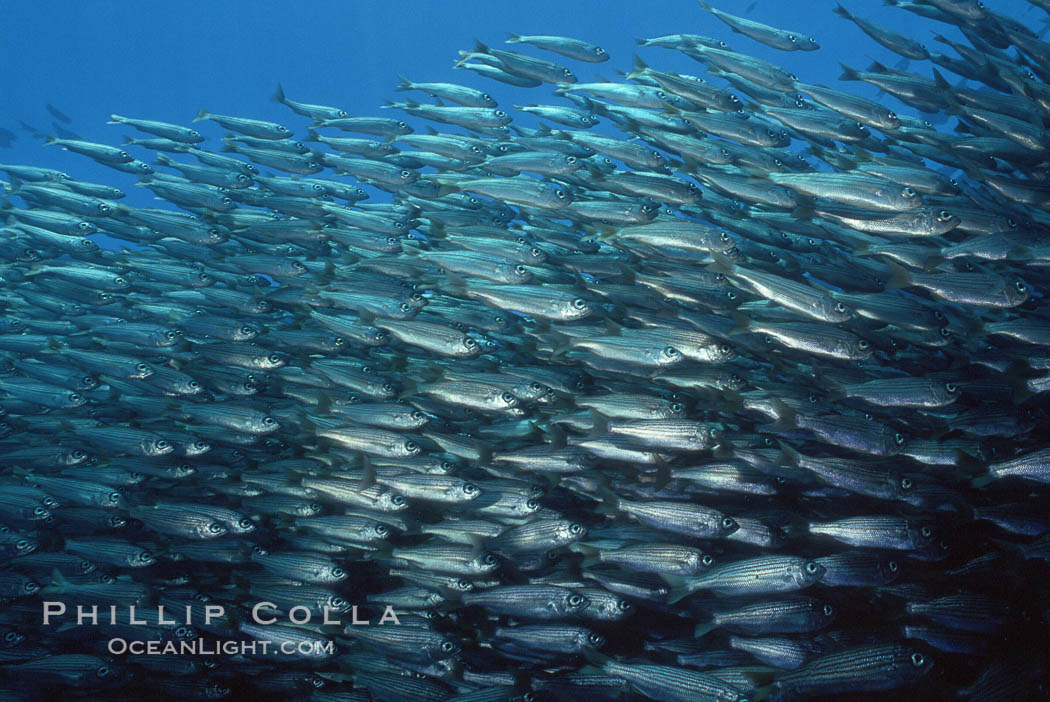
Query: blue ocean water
x,y
164,59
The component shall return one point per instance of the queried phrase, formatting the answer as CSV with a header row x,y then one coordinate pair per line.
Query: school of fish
x,y
743,396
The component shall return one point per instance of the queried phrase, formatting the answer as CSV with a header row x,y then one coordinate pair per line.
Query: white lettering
x,y
93,616
299,608
389,615
53,609
260,605
213,612
160,616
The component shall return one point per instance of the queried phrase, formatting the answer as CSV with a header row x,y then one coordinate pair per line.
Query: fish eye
x,y
951,387
670,351
792,38
162,444
908,192
944,332
731,295
725,349
898,439
812,40
75,397
338,572
520,269
500,113
771,134
812,567
863,344
411,446
448,646
926,532
839,307
728,522
579,303
906,484
489,559
867,415
560,194
1021,287
215,528
677,407
404,307
944,216
532,505
507,398
102,671
575,600
576,528
40,511
814,398
917,659
706,560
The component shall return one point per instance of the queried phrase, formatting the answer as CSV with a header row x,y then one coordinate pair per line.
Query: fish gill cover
x,y
729,386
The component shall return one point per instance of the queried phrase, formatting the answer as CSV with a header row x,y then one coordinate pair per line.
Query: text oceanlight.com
x,y
205,647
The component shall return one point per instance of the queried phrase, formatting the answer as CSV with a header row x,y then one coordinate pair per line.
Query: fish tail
x,y
878,67
638,68
513,38
201,115
703,629
742,326
848,73
899,277
279,95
